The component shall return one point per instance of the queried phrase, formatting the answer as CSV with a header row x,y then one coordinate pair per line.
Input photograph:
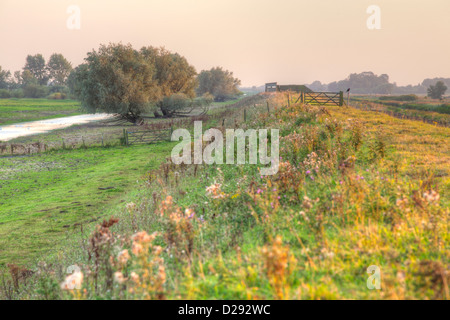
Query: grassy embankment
x,y
22,110
431,111
354,189
48,196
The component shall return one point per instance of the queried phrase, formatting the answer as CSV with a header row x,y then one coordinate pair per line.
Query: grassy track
x,y
21,110
43,196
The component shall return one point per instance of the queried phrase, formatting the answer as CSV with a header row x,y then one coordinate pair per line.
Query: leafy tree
x,y
27,78
76,79
116,79
428,82
36,65
35,91
385,88
131,83
317,86
218,82
181,105
58,69
173,73
16,81
364,82
5,78
437,91
5,94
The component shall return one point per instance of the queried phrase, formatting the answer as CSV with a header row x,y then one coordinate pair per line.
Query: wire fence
x,y
154,131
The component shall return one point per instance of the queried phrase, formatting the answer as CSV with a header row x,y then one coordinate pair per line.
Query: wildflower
x,y
431,196
276,260
162,274
308,172
305,251
215,191
312,178
143,237
259,191
166,205
189,213
73,281
119,278
131,207
157,250
403,204
137,248
123,257
327,253
134,277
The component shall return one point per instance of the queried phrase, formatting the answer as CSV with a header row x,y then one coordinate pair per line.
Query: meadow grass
x,y
428,110
355,189
22,110
45,197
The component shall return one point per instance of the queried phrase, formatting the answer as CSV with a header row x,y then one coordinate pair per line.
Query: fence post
x,y
302,99
102,141
268,107
289,100
341,98
245,115
125,136
170,133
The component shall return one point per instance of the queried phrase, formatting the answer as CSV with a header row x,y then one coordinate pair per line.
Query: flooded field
x,y
13,131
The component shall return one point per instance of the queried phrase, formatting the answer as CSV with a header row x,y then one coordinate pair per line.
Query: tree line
x,y
370,83
37,79
120,79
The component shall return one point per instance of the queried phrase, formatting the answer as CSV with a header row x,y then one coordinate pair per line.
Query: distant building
x,y
271,87
274,87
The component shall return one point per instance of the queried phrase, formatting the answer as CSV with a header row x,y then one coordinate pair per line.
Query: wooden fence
x,y
322,98
146,136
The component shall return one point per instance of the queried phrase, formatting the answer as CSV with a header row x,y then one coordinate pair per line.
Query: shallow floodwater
x,y
12,131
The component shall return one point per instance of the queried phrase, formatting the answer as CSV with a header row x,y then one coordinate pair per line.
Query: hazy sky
x,y
289,41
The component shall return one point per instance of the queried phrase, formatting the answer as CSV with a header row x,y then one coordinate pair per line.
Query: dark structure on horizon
x,y
274,87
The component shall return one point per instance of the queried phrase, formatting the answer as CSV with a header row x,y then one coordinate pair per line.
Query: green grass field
x,y
354,189
22,110
43,196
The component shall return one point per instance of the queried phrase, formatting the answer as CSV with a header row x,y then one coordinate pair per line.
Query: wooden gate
x,y
322,98
146,136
